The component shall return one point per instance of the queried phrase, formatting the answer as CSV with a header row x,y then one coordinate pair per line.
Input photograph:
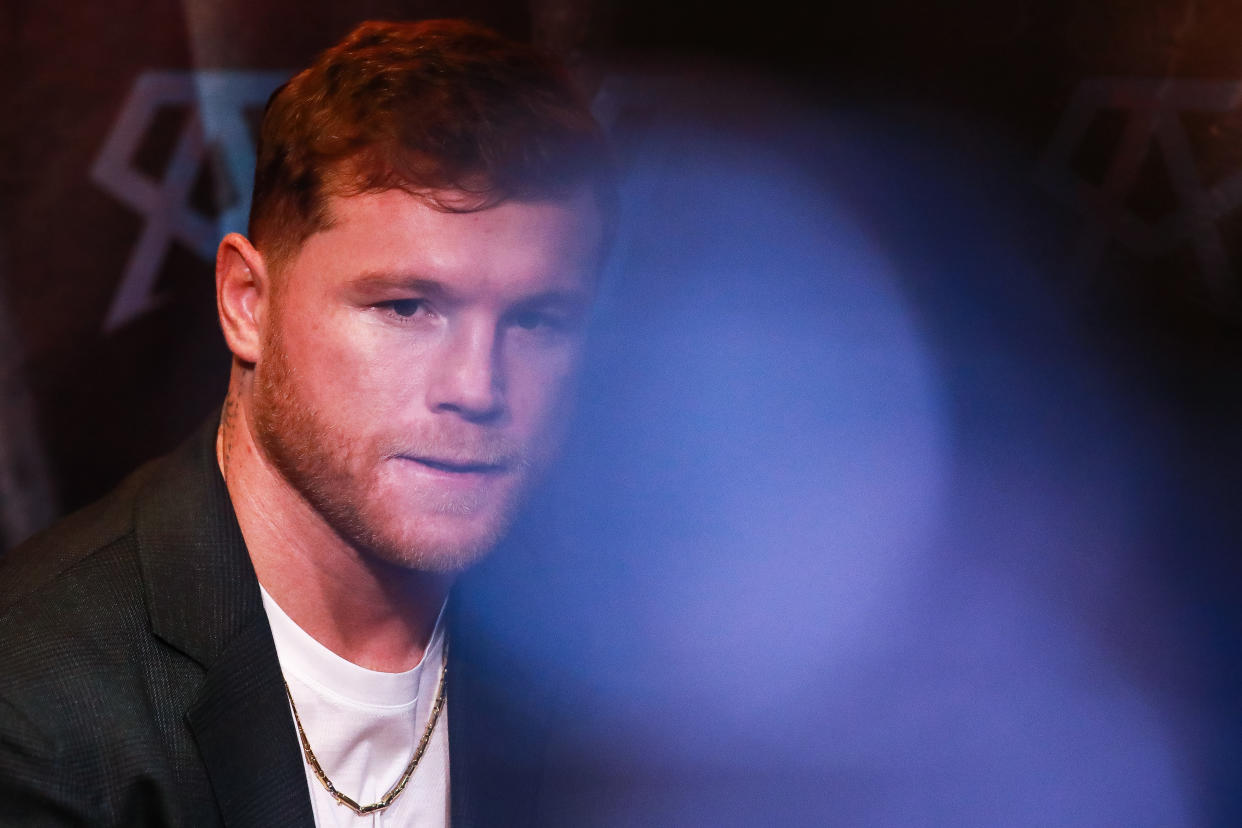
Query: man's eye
x,y
534,320
405,308
530,320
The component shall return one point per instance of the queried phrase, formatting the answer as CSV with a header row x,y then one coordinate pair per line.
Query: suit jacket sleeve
x,y
35,789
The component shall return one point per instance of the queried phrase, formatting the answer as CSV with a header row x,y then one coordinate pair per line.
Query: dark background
x,y
1051,189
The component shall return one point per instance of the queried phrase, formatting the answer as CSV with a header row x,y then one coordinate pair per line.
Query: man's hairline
x,y
275,265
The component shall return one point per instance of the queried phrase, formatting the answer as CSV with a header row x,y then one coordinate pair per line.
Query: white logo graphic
x,y
1153,119
217,102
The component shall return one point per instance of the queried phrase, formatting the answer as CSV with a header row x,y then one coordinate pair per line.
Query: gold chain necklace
x,y
395,790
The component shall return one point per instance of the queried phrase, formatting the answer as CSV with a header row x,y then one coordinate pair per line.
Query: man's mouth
x,y
458,466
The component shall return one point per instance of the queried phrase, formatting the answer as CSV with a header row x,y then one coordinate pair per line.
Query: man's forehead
x,y
393,237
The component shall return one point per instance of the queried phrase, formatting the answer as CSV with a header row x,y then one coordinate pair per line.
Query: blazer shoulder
x,y
37,562
70,606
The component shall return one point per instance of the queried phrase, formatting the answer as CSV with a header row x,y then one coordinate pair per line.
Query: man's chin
x,y
432,561
440,546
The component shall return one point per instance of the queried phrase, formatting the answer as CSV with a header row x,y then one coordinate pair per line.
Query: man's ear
x,y
242,294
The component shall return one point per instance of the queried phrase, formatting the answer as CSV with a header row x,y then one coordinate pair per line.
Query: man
x,y
257,630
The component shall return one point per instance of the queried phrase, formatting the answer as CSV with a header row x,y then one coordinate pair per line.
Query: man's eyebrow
x,y
400,281
570,299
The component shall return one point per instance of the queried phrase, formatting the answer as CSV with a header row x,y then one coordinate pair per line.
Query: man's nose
x,y
466,378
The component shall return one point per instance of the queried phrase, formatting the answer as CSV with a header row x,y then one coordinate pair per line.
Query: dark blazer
x,y
139,683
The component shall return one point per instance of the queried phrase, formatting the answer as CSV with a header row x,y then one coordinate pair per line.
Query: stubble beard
x,y
336,477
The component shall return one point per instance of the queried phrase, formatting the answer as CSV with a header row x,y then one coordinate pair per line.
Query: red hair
x,y
438,107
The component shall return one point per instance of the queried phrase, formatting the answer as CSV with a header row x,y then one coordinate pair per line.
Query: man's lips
x,y
458,466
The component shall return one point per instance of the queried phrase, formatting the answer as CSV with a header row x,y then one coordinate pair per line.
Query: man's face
x,y
416,367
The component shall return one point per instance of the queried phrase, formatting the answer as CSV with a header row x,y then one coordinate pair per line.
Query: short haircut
x,y
433,107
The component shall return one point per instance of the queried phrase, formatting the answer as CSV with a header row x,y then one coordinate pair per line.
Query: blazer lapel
x,y
497,729
241,722
465,765
203,599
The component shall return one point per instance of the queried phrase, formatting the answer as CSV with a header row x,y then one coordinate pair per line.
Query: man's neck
x,y
373,613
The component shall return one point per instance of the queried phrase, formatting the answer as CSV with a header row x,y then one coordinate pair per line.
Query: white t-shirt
x,y
363,726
